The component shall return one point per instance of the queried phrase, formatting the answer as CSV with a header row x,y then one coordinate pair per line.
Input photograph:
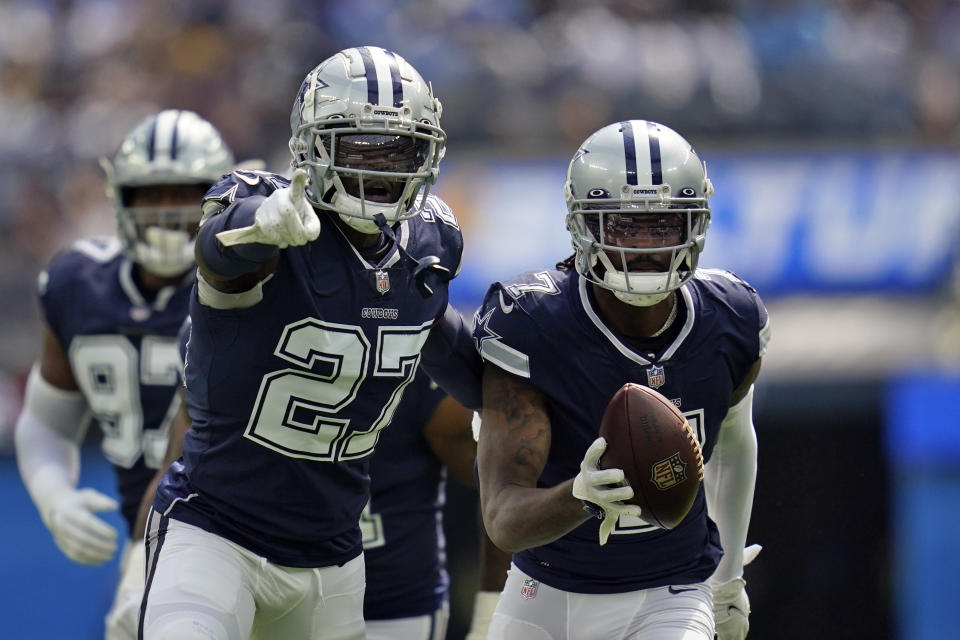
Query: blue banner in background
x,y
787,222
922,433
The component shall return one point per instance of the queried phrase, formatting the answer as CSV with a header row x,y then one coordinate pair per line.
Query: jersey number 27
x,y
304,414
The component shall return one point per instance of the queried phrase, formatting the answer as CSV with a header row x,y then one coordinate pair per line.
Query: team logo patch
x,y
669,472
529,589
383,281
655,376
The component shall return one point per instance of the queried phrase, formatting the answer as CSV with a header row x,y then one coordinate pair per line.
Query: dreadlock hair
x,y
567,263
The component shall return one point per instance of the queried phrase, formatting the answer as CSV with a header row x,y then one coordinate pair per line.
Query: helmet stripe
x,y
653,137
173,141
395,79
164,134
370,71
152,139
629,151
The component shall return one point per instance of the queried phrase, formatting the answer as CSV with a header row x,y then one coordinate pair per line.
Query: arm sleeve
x,y
47,438
239,259
729,479
451,360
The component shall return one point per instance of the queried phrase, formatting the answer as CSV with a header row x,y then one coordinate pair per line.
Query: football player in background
x,y
314,300
112,308
403,543
629,306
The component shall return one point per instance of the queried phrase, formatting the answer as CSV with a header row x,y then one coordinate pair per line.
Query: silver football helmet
x,y
637,210
367,128
171,148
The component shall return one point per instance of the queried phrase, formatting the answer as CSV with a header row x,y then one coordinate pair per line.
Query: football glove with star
x,y
603,491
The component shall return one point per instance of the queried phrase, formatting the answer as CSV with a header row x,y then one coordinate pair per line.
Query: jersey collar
x,y
391,257
164,295
688,302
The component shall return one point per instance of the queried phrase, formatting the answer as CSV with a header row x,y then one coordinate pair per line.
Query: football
x,y
653,443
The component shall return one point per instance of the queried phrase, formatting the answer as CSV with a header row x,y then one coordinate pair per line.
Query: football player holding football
x,y
629,306
112,308
314,300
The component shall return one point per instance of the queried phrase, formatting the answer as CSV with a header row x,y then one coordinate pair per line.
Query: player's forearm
x,y
519,518
494,562
47,437
729,479
237,260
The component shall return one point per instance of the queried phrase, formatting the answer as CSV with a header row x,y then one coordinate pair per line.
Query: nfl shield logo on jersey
x,y
655,377
669,472
529,588
383,281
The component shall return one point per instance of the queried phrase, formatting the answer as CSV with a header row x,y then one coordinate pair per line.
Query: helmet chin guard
x,y
637,210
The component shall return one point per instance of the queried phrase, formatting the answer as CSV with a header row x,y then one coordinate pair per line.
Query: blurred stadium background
x,y
830,130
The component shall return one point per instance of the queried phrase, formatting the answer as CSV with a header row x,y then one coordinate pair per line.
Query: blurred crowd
x,y
521,77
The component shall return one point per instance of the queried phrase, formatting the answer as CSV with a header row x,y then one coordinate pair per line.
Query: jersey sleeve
x,y
237,185
764,319
57,291
515,323
751,307
751,320
438,212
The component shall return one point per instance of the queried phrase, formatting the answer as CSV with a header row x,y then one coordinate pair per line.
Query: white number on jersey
x,y
109,371
288,395
371,529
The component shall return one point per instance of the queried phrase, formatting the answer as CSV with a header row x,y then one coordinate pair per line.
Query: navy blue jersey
x,y
544,328
123,354
402,526
288,396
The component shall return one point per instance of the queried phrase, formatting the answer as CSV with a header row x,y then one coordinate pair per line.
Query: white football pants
x,y
202,586
124,614
429,627
531,610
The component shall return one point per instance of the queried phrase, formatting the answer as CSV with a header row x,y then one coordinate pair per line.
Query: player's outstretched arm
x,y
512,451
48,435
238,247
729,479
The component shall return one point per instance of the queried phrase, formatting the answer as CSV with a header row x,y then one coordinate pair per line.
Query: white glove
x,y
82,536
592,485
731,606
284,219
124,615
484,604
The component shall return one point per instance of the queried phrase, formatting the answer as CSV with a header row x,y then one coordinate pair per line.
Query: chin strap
x,y
426,271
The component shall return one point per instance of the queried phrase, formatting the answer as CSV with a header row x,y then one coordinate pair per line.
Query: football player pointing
x,y
629,306
112,309
314,300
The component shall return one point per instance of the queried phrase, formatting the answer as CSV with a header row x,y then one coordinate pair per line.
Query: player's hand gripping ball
x,y
653,443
